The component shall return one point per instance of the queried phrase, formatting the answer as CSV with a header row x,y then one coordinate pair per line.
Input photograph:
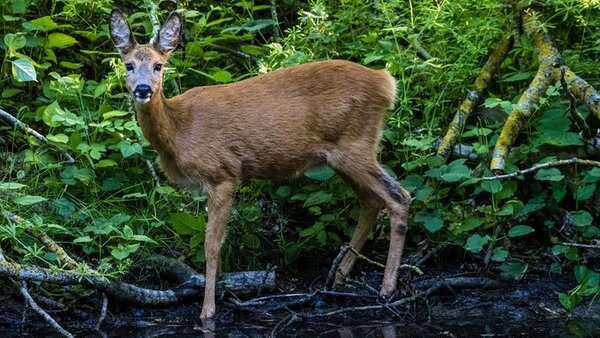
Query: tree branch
x,y
543,166
15,121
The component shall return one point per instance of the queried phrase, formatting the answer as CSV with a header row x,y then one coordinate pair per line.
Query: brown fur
x,y
273,126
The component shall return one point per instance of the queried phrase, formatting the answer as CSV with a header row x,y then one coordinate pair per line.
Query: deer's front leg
x,y
219,205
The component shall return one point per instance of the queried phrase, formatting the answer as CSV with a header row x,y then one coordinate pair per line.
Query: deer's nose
x,y
142,91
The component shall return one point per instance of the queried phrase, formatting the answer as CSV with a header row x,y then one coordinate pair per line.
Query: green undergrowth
x,y
62,76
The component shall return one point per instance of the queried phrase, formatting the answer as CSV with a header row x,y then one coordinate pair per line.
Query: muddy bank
x,y
528,307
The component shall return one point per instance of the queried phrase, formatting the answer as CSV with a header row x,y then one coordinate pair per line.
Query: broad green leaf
x,y
320,173
105,163
14,42
585,192
283,191
11,186
432,222
28,199
492,186
499,255
222,76
456,171
44,23
592,176
23,70
476,242
60,40
581,218
114,113
318,197
71,65
552,174
142,238
187,224
520,230
513,270
58,138
83,239
129,149
569,301
10,92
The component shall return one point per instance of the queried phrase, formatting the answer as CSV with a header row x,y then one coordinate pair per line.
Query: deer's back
x,y
283,122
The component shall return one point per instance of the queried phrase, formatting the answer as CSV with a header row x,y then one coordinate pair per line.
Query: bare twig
x,y
579,245
276,29
335,265
537,167
102,311
9,118
237,53
25,293
41,312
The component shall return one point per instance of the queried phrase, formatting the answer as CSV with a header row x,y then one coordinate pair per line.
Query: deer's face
x,y
144,63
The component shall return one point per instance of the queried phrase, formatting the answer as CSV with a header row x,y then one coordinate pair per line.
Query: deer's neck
x,y
159,125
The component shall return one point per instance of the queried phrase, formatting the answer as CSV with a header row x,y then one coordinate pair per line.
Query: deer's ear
x,y
120,33
169,34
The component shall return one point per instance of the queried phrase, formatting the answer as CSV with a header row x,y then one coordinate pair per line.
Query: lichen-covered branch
x,y
583,91
48,242
551,67
498,55
579,120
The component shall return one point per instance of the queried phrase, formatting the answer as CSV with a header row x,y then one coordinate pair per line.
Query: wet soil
x,y
528,307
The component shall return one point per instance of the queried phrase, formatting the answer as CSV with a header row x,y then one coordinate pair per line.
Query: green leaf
x,y
592,176
318,197
14,42
105,163
585,192
456,171
320,173
28,200
569,301
552,174
23,70
499,255
475,243
187,224
10,92
432,222
520,230
114,113
582,218
44,23
251,241
83,239
11,186
71,65
283,191
60,40
142,238
58,138
513,270
222,76
129,149
492,186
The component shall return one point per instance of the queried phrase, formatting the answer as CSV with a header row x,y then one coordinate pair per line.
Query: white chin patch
x,y
142,100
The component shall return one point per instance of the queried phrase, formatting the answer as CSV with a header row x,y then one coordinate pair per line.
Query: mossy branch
x,y
499,53
551,68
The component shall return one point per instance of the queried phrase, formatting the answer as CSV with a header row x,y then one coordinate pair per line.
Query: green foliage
x,y
62,76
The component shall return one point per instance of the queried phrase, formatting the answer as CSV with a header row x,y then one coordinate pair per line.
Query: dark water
x,y
472,327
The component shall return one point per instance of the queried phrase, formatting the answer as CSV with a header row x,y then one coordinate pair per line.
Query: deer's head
x,y
144,62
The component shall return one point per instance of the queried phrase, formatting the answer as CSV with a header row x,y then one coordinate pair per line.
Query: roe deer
x,y
270,126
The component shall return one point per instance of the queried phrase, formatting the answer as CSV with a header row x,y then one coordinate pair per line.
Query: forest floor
x,y
527,307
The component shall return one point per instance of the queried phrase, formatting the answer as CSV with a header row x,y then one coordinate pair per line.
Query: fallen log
x,y
235,282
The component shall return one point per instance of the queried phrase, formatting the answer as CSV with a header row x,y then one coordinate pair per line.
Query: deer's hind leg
x,y
357,162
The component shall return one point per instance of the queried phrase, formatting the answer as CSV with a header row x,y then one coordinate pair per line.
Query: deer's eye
x,y
157,67
129,67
